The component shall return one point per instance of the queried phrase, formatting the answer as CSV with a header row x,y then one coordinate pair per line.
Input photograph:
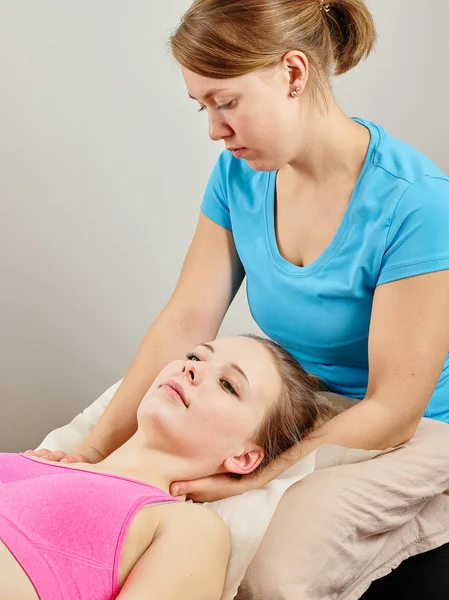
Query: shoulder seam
x,y
446,179
393,175
407,180
393,214
402,195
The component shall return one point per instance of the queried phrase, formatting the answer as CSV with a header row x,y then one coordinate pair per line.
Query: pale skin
x,y
180,550
320,153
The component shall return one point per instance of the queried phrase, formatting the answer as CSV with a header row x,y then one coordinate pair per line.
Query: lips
x,y
238,152
179,390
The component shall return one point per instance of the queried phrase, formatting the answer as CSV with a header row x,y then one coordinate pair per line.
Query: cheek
x,y
225,425
267,130
173,369
240,126
246,124
282,130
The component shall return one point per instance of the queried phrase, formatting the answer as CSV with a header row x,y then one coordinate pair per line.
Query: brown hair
x,y
299,409
227,38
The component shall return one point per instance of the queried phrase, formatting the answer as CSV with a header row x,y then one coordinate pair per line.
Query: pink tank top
x,y
66,526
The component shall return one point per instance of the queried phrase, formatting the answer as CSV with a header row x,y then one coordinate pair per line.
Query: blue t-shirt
x,y
396,225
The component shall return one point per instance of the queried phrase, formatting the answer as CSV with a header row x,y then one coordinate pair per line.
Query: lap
x,y
341,524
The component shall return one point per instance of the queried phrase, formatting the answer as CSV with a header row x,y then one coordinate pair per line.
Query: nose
x,y
218,129
192,372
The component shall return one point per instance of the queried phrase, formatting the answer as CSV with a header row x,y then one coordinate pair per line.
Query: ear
x,y
244,463
297,65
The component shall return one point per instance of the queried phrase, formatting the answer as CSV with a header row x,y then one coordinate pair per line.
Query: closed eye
x,y
222,107
225,106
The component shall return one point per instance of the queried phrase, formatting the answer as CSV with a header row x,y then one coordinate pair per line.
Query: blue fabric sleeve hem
x,y
217,216
420,268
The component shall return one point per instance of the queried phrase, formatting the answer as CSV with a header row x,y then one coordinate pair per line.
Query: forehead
x,y
204,88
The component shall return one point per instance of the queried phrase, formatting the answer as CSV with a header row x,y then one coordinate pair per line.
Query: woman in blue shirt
x,y
341,230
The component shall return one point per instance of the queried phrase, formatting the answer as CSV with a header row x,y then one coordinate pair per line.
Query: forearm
x,y
369,425
169,338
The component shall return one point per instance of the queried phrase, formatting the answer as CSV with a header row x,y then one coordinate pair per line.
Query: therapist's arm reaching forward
x,y
408,345
210,278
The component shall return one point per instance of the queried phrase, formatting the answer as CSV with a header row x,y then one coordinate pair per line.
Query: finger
x,y
75,458
199,498
206,494
187,493
55,456
205,489
180,489
41,453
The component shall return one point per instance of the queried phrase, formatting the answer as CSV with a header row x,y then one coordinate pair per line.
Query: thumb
x,y
204,489
180,488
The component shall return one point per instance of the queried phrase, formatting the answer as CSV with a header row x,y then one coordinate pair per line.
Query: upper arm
x,y
211,275
408,343
409,331
187,559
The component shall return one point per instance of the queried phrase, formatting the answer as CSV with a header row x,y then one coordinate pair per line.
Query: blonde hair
x,y
227,38
298,411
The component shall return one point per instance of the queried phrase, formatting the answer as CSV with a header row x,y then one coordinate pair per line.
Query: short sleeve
x,y
215,203
418,238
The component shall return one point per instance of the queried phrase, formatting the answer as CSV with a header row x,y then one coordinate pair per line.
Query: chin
x,y
259,165
266,165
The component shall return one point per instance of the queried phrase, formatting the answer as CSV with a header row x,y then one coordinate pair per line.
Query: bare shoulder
x,y
188,516
187,558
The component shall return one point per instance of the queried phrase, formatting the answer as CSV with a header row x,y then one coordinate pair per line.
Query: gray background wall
x,y
103,162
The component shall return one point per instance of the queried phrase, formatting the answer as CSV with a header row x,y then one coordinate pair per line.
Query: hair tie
x,y
325,6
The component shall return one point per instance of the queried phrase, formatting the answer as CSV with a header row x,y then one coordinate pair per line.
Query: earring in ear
x,y
295,93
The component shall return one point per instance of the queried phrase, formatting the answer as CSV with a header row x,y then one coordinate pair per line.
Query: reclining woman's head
x,y
232,405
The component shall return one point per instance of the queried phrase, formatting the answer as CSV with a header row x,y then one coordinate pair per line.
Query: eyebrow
x,y
209,94
233,365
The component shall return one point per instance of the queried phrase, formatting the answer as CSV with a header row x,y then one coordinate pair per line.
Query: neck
x,y
336,148
136,460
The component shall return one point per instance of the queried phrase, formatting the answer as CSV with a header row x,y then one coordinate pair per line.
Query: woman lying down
x,y
112,530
